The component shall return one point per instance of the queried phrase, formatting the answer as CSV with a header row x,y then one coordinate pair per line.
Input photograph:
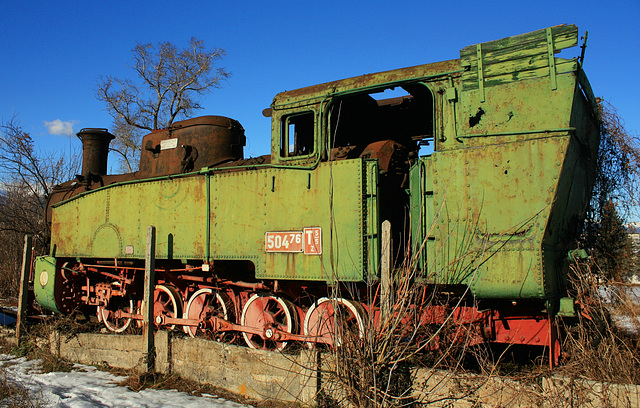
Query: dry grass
x,y
16,395
379,370
36,343
158,381
604,345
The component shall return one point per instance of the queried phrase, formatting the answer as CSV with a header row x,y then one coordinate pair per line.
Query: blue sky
x,y
54,51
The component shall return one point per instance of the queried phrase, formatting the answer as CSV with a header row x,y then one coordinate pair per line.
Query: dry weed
x,y
37,341
15,395
378,368
157,381
604,345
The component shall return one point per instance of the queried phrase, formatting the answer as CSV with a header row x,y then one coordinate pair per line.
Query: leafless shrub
x,y
604,345
618,164
615,196
40,341
378,367
16,395
27,176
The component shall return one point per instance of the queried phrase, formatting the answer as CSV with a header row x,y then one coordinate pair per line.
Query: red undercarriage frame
x,y
471,326
466,324
496,327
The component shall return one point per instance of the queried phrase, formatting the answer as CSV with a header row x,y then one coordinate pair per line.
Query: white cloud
x,y
58,127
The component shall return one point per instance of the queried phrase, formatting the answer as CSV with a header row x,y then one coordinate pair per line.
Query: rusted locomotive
x,y
255,247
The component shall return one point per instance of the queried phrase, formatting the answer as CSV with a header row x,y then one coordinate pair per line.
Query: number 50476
x,y
288,241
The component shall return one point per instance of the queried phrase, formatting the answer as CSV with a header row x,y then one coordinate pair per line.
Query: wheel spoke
x,y
329,321
109,314
268,313
167,302
204,304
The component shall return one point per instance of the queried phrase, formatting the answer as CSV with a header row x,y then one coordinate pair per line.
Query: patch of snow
x,y
87,387
634,294
612,295
629,325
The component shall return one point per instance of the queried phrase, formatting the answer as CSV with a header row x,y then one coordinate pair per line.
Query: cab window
x,y
401,114
296,138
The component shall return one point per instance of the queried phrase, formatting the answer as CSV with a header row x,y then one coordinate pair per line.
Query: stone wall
x,y
255,374
293,377
439,388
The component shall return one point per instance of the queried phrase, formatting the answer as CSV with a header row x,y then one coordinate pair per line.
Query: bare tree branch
x,y
169,83
615,195
27,176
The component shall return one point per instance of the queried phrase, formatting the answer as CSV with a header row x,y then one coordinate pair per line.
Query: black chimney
x,y
95,150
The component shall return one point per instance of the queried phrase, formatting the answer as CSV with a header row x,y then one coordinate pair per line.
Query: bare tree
x,y
618,165
615,195
27,176
169,83
36,172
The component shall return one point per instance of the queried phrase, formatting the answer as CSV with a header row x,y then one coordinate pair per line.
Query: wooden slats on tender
x,y
520,57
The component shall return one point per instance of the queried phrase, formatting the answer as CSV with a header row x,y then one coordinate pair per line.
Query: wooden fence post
x,y
147,309
24,288
386,283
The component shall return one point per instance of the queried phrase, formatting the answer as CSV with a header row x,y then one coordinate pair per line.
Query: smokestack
x,y
95,150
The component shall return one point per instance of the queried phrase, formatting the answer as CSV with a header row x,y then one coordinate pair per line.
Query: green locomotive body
x,y
490,212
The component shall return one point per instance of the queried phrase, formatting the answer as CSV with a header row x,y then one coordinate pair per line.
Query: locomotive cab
x,y
386,125
351,124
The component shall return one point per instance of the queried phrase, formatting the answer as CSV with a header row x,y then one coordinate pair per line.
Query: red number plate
x,y
288,241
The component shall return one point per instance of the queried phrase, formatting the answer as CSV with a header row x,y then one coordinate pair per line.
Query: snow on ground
x,y
611,295
87,387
